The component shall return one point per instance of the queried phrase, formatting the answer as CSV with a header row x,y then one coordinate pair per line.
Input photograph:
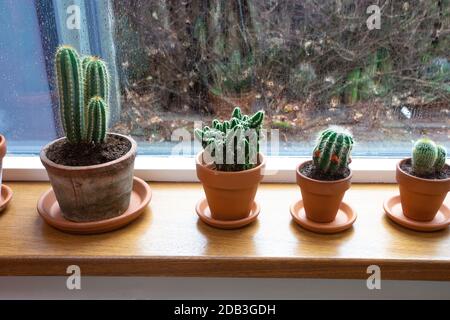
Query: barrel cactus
x,y
332,153
234,143
83,86
427,157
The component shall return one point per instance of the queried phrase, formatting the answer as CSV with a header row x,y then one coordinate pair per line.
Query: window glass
x,y
383,72
26,114
308,64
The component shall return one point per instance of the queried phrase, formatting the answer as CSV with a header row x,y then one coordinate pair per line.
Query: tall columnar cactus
x,y
233,144
79,82
427,157
70,87
97,120
332,153
96,81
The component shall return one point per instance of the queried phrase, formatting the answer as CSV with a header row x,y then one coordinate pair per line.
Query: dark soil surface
x,y
310,171
77,155
443,174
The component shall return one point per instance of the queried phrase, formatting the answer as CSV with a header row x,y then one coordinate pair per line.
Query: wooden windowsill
x,y
169,240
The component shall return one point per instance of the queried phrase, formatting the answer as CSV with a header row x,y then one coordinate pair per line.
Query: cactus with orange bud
x,y
332,154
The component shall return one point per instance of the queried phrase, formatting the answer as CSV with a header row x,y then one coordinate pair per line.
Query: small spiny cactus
x,y
440,161
427,157
235,141
83,86
332,153
97,120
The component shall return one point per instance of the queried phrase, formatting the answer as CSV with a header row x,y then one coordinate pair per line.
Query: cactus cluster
x,y
427,157
233,144
83,86
332,153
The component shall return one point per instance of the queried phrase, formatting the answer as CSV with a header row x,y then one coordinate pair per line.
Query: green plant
x,y
97,115
363,83
77,87
427,157
70,86
96,79
234,76
233,145
332,153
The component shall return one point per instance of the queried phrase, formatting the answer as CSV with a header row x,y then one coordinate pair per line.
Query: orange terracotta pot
x,y
2,155
321,198
230,195
420,198
92,193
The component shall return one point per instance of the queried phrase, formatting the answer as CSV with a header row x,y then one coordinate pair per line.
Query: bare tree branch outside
x,y
308,64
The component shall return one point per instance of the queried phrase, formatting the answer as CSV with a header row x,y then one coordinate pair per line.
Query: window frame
x,y
182,169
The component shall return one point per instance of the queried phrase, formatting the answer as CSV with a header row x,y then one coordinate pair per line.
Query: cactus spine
x,y
332,153
96,81
84,63
70,87
97,120
427,157
234,143
83,86
441,156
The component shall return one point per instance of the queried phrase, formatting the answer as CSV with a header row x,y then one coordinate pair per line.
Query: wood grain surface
x,y
169,240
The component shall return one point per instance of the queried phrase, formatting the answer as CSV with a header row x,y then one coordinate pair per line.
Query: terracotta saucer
x,y
345,218
393,209
205,215
5,197
49,210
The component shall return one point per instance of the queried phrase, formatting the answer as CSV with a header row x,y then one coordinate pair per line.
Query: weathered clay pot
x,y
420,198
230,195
2,155
92,193
321,199
223,105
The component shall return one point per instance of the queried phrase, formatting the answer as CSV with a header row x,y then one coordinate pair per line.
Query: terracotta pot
x,y
223,105
421,198
2,155
230,195
321,198
92,193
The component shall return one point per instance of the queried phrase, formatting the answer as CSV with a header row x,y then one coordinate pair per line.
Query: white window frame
x,y
182,169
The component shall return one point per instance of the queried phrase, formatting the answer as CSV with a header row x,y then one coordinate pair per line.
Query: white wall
x,y
216,288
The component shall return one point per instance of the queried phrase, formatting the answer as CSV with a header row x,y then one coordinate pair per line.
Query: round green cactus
x,y
332,153
441,157
427,157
